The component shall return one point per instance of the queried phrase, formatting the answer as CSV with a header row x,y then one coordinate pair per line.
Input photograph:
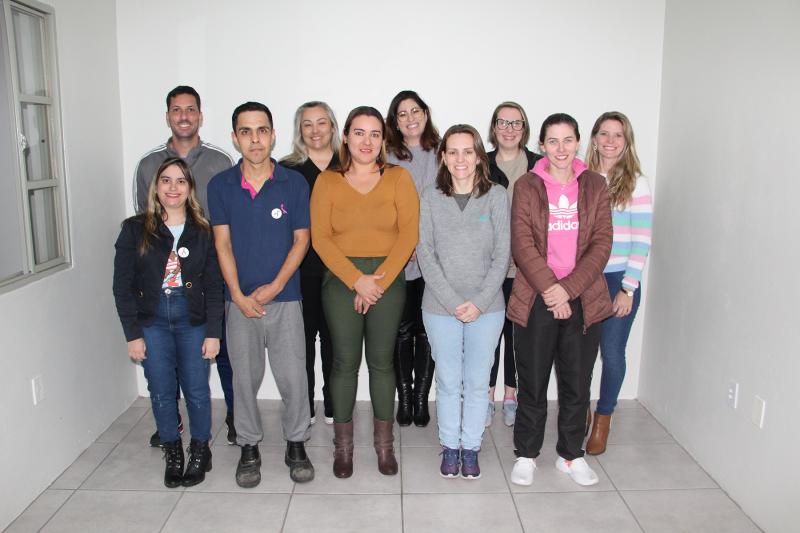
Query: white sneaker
x,y
329,420
522,474
313,420
579,470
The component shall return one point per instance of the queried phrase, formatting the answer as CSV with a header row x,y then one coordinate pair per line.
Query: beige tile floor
x,y
647,483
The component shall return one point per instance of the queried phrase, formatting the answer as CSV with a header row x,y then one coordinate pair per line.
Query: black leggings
x,y
509,366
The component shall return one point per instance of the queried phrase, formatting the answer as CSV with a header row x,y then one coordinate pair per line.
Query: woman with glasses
x,y
364,226
464,254
613,154
168,292
315,147
411,142
561,240
509,132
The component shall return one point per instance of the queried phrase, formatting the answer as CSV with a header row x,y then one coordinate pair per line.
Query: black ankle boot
x,y
300,468
173,456
423,377
403,357
199,463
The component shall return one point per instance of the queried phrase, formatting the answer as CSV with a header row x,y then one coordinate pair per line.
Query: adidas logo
x,y
564,211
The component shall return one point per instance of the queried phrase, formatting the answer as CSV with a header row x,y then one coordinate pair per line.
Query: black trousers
x,y
545,342
509,366
313,322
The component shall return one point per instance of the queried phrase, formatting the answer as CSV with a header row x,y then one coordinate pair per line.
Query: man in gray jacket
x,y
205,160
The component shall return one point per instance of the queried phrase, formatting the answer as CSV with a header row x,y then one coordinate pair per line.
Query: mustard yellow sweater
x,y
382,223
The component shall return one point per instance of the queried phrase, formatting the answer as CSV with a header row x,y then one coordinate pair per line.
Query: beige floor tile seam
x,y
619,493
506,478
708,489
171,511
49,518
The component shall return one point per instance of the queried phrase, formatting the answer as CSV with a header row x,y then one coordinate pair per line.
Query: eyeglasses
x,y
414,112
503,124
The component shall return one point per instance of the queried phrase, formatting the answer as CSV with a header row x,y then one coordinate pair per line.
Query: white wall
x,y
64,326
723,295
583,58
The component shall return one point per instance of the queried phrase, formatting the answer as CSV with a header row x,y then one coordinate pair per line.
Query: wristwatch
x,y
627,291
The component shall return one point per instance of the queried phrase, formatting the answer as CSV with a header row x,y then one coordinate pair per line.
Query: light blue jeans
x,y
463,354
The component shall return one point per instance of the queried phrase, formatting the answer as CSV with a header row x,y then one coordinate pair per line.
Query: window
x,y
33,222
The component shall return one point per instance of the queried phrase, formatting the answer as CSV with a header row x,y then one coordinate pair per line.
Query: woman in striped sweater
x,y
613,154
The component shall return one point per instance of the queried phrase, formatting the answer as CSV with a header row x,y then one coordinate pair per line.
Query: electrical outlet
x,y
733,395
37,389
759,408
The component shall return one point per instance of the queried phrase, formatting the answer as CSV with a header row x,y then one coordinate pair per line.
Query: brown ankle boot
x,y
384,446
343,451
600,429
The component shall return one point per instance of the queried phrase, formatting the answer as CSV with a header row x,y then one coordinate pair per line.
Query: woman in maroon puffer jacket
x,y
561,238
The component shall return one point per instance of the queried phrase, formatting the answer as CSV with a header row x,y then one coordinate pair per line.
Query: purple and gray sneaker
x,y
450,459
469,464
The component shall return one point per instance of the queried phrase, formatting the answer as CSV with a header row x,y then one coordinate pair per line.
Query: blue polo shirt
x,y
262,228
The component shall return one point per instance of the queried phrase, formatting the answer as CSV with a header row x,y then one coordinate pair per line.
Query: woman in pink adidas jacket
x,y
560,239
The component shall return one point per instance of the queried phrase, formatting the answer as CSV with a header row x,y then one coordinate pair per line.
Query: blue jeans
x,y
463,353
614,338
173,344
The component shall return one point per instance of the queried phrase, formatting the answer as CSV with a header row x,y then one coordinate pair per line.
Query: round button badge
x,y
277,213
183,252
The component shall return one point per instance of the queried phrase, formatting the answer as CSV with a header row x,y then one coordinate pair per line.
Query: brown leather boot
x,y
343,451
600,429
384,446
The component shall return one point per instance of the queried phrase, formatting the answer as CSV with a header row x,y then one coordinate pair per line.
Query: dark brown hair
x,y
444,180
394,138
558,118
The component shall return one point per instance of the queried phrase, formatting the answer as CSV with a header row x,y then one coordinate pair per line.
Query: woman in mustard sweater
x,y
364,226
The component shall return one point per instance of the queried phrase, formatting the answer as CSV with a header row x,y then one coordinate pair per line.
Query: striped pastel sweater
x,y
632,235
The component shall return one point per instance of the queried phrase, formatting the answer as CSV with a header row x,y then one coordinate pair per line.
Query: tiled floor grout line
x,y
54,513
508,479
494,433
161,529
619,494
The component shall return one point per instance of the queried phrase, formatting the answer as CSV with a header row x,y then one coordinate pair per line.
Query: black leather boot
x,y
173,456
300,468
248,471
423,377
403,361
199,463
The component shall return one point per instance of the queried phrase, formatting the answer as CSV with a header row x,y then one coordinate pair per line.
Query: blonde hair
x,y
623,175
154,213
299,153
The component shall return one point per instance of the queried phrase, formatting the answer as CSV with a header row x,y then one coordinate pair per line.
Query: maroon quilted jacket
x,y
529,218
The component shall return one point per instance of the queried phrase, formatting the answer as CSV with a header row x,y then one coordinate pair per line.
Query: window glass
x,y
28,34
36,148
44,225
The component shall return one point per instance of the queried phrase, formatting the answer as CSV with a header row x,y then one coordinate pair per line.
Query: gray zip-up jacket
x,y
464,255
205,161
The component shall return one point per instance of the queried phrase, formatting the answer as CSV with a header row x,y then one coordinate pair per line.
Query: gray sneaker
x,y
509,412
489,414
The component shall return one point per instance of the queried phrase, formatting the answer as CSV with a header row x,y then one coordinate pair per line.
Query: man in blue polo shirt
x,y
259,212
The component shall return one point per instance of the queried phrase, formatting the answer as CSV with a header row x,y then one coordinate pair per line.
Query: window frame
x,y
57,181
